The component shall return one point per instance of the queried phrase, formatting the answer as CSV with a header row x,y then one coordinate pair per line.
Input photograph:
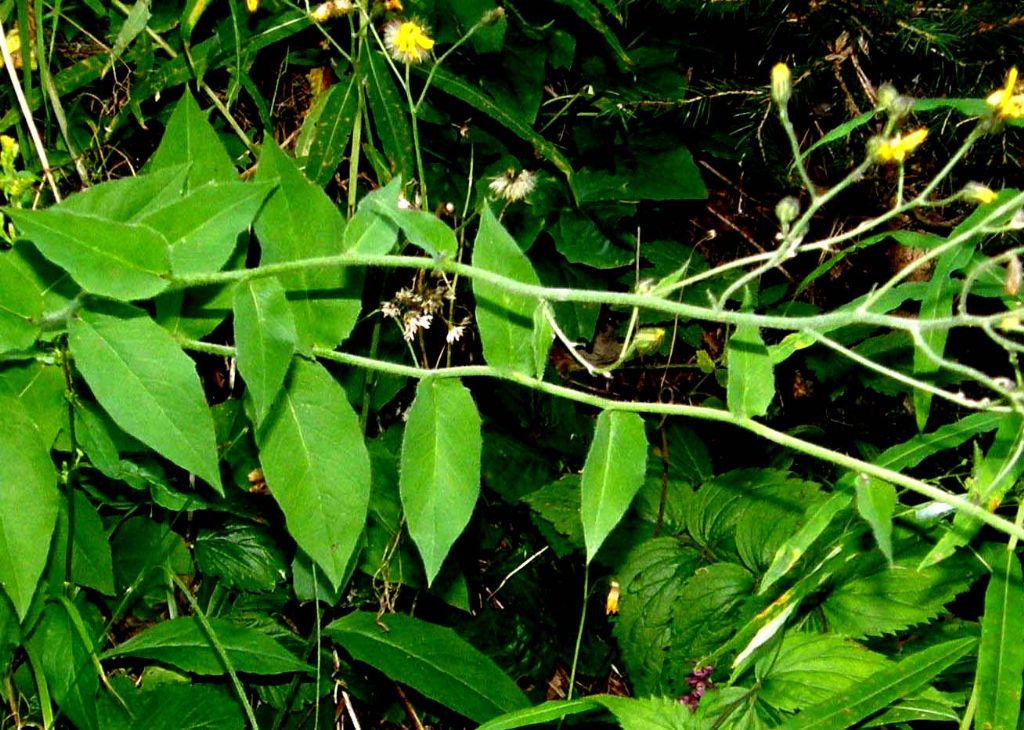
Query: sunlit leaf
x,y
751,375
1001,651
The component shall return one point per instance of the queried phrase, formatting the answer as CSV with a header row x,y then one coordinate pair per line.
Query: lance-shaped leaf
x,y
122,261
265,336
327,138
505,319
433,660
316,465
876,501
29,501
1001,652
22,302
751,377
440,477
184,643
190,140
148,386
612,474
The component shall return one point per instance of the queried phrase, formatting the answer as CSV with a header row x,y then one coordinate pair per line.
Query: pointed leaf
x,y
123,261
751,377
148,386
612,475
423,229
817,519
190,140
440,477
847,708
1001,652
91,560
390,114
505,319
22,303
29,501
316,466
265,337
543,713
433,660
58,651
330,134
242,555
184,643
299,221
369,230
876,501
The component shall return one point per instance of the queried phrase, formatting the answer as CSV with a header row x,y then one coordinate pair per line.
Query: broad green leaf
x,y
769,517
465,91
1001,651
118,260
242,555
369,230
390,114
22,304
173,705
751,376
720,589
265,337
440,477
581,242
543,713
816,521
57,649
297,222
91,562
203,226
612,475
144,551
30,501
558,503
876,501
190,140
877,599
808,668
148,386
505,319
847,708
40,388
671,175
183,643
433,660
649,713
130,199
316,466
650,580
328,138
423,229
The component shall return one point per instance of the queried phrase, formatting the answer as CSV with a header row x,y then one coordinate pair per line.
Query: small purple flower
x,y
700,682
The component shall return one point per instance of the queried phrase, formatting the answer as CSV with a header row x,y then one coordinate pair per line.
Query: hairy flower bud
x,y
782,84
787,209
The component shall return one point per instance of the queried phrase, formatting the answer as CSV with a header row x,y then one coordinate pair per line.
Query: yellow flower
x,y
782,83
978,193
896,149
612,604
407,41
1005,104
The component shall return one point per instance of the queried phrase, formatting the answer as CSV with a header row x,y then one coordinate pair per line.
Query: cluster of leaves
x,y
343,526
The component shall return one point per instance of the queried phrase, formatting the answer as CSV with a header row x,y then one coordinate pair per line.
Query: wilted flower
x,y
896,148
782,83
455,333
1014,274
512,186
1004,102
325,11
611,604
978,193
414,323
407,41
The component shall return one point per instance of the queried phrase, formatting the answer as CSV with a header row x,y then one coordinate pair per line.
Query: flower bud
x,y
782,84
648,340
787,209
977,193
1014,273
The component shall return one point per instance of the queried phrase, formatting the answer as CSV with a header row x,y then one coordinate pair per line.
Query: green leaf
x,y
148,386
1001,651
648,713
650,580
465,91
242,555
190,140
183,643
913,451
664,175
203,226
328,138
30,501
505,319
816,521
592,17
22,303
582,242
876,501
390,114
847,708
433,660
265,337
720,589
613,473
178,706
297,222
91,562
422,229
546,712
316,466
751,376
808,668
876,599
369,230
40,388
118,260
135,23
440,477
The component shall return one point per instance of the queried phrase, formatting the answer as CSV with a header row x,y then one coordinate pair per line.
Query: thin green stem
x,y
579,632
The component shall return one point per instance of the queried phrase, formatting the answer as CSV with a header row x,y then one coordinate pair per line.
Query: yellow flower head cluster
x,y
896,148
407,41
1006,104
